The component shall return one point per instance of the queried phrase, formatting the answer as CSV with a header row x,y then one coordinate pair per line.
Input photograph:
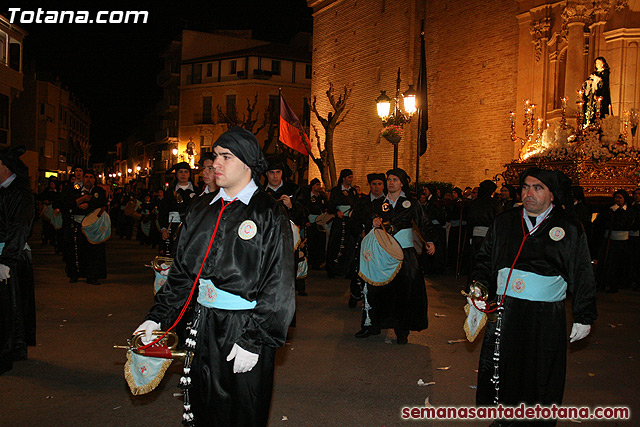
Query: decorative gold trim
x,y
138,390
372,283
483,321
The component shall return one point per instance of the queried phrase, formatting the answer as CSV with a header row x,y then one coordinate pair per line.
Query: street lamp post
x,y
393,121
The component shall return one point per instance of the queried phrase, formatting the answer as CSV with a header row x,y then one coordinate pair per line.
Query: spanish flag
x,y
291,131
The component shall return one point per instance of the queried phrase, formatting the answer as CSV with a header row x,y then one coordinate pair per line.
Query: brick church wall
x,y
472,61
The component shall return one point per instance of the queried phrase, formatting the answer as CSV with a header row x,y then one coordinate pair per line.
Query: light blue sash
x,y
345,209
212,297
531,286
405,238
312,218
26,247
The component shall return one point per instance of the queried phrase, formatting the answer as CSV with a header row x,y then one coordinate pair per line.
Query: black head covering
x,y
623,193
486,188
90,172
433,190
314,181
513,194
73,169
374,176
244,145
557,182
10,157
178,166
404,178
343,174
276,162
207,155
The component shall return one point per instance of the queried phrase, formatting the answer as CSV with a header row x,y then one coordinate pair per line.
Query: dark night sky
x,y
112,68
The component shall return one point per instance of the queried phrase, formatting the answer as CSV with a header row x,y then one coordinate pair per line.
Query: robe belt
x,y
456,223
634,233
617,234
531,286
344,209
211,297
312,218
26,247
405,238
480,231
174,217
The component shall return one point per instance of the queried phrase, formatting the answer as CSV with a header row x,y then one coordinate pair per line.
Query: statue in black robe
x,y
597,86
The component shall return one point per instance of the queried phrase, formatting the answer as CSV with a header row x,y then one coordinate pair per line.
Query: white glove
x,y
245,360
579,331
148,326
481,304
4,272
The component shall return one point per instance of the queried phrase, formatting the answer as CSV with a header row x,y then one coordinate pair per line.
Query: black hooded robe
x,y
402,304
259,268
533,337
17,295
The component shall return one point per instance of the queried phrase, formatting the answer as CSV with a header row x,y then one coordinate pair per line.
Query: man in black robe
x,y
402,303
84,259
208,174
313,203
237,248
341,244
173,208
540,251
361,225
17,296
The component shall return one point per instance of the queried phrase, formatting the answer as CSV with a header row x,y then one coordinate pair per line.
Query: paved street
x,y
324,375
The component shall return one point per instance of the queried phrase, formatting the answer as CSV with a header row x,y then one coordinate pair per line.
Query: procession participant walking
x,y
361,223
208,174
340,248
531,258
17,295
84,259
235,254
174,206
314,203
401,304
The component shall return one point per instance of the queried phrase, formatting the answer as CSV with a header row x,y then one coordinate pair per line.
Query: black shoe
x,y
364,333
73,279
352,302
402,340
93,282
302,293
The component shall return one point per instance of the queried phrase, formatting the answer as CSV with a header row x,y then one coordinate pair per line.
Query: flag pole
x,y
422,105
279,115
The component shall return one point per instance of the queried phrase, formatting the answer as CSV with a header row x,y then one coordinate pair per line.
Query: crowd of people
x,y
243,240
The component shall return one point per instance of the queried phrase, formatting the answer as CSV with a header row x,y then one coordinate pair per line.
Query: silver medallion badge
x,y
406,204
247,230
556,233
